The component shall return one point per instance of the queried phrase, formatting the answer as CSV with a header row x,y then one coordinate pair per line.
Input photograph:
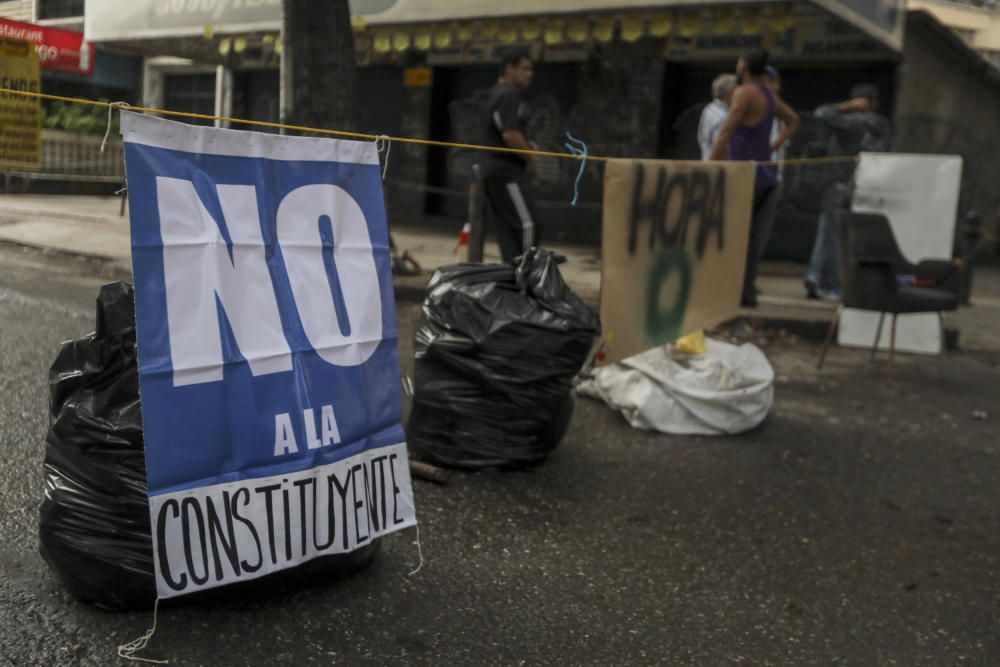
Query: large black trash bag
x,y
94,529
497,348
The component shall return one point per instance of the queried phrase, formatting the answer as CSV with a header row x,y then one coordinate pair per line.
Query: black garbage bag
x,y
497,348
94,528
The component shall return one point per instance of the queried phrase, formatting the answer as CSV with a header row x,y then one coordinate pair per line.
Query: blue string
x,y
579,149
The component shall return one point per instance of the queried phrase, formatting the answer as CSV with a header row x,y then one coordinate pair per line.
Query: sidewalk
x,y
78,225
92,227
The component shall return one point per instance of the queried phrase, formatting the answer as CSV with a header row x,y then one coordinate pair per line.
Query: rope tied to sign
x,y
579,149
128,650
383,142
111,107
420,552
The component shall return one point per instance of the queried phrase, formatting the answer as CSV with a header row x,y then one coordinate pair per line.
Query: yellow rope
x,y
364,135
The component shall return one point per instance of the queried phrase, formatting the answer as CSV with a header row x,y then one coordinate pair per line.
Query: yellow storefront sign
x,y
20,117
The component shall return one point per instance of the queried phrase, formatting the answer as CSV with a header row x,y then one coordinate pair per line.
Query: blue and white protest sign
x,y
267,350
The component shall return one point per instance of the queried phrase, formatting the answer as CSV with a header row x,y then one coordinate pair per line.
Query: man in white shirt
x,y
713,117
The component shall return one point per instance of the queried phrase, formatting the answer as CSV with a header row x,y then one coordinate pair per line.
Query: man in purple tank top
x,y
747,136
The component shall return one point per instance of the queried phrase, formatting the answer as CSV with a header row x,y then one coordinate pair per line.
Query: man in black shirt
x,y
510,209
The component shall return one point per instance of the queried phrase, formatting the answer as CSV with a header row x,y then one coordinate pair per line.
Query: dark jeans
x,y
824,264
764,203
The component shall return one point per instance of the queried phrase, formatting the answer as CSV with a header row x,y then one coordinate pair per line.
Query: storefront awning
x,y
185,28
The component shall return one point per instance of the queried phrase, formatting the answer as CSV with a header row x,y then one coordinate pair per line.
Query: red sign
x,y
62,50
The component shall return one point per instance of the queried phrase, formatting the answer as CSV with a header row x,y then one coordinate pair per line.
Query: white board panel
x,y
919,195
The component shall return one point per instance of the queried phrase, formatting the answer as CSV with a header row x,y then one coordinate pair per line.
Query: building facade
x,y
18,10
106,72
72,159
978,24
629,77
948,102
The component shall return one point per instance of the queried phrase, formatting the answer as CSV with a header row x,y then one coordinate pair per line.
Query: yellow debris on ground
x,y
692,343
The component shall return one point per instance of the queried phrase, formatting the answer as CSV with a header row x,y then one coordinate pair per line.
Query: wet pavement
x,y
859,525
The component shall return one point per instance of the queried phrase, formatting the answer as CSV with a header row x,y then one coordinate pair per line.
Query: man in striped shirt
x,y
713,117
510,209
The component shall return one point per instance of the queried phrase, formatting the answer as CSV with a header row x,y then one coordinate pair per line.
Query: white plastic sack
x,y
727,390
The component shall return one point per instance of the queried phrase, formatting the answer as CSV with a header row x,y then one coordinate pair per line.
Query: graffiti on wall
x,y
615,111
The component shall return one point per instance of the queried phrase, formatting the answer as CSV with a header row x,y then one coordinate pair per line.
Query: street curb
x,y
14,215
110,260
806,329
112,268
409,293
816,330
411,290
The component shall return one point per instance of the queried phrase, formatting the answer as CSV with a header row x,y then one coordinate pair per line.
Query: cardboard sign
x,y
267,350
20,117
673,251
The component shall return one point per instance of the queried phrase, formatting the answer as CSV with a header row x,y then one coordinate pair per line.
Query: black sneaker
x,y
812,289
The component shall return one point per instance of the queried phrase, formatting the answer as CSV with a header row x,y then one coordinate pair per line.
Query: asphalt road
x,y
859,525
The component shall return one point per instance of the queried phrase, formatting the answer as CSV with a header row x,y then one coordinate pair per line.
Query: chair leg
x,y
892,345
829,336
941,360
878,334
941,323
